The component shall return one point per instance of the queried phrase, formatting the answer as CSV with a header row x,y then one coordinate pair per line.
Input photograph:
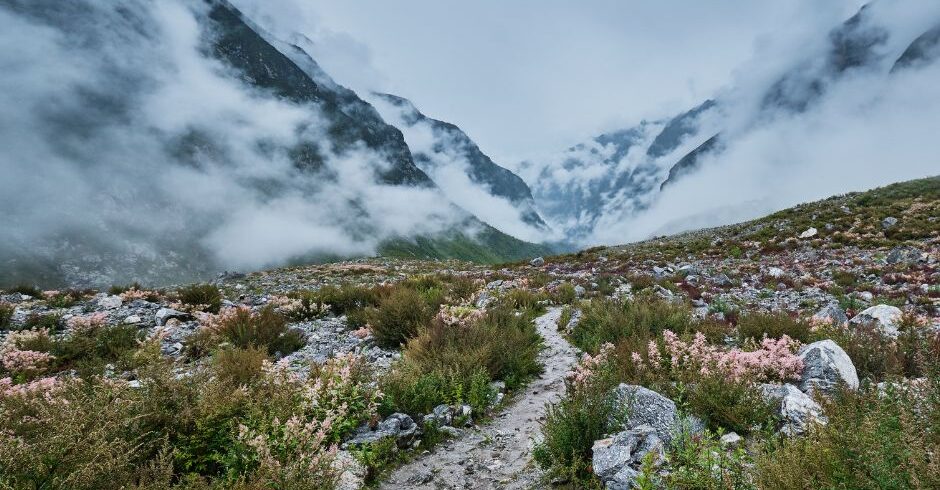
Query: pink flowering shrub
x,y
774,360
23,363
459,315
589,367
88,323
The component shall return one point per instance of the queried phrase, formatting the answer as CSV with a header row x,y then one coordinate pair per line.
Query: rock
x,y
352,473
889,222
831,314
484,299
903,255
722,280
132,319
883,317
616,459
775,272
731,440
646,407
537,262
442,415
796,409
579,291
825,367
110,302
397,425
865,296
809,233
165,314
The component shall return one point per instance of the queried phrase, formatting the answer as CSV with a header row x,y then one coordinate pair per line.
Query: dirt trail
x,y
497,455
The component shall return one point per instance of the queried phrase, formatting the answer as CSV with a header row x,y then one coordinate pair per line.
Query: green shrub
x,y
756,326
399,316
870,441
570,428
567,313
726,404
265,328
39,321
877,356
203,296
64,299
455,363
6,315
698,461
609,320
523,299
239,366
28,290
564,294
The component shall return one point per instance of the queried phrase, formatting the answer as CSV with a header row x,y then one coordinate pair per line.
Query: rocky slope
x,y
865,264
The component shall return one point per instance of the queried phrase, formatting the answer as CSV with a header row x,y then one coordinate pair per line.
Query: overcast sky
x,y
528,77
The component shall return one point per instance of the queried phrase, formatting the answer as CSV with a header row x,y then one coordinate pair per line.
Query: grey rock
x,y
883,317
831,314
825,367
775,272
643,406
865,296
441,416
579,291
809,233
537,262
164,314
352,473
397,425
616,459
484,299
903,255
110,302
796,409
132,319
889,222
722,280
731,439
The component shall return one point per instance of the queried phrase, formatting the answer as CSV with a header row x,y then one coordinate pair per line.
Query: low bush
x,y
454,363
564,294
699,461
6,315
610,320
265,328
28,290
239,366
205,297
728,404
400,315
871,440
755,326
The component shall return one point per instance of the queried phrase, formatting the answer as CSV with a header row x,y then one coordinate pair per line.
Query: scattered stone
x,y
399,426
537,262
442,415
796,409
775,272
352,473
903,255
110,302
809,233
883,317
132,319
865,296
831,314
731,440
825,367
889,222
165,314
579,291
722,280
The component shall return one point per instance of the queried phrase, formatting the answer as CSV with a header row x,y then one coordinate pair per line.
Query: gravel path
x,y
499,454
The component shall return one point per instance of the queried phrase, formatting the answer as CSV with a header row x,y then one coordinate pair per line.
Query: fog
x,y
97,99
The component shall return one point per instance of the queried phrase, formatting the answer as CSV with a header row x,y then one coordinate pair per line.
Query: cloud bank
x,y
125,139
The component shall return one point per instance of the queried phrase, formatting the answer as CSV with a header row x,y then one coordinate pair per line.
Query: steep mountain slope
x,y
618,177
251,154
462,170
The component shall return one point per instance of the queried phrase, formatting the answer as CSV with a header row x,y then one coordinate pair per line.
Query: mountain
x,y
184,139
455,162
617,176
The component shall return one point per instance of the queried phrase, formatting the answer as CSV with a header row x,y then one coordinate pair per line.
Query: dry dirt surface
x,y
498,455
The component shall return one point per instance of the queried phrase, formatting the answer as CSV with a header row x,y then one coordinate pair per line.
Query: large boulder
x,y
885,318
796,409
825,367
616,460
643,406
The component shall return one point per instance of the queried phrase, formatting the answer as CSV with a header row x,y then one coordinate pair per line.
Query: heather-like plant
x,y
609,320
265,328
400,315
204,297
756,326
6,315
